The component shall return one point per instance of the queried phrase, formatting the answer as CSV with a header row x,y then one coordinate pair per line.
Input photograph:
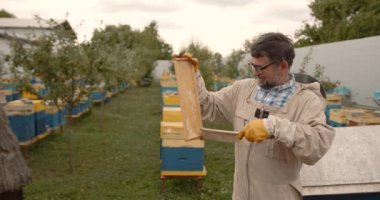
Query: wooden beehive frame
x,y
188,95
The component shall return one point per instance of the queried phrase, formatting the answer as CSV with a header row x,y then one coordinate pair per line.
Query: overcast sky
x,y
222,25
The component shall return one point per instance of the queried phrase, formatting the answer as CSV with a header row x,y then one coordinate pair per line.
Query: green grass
x,y
116,156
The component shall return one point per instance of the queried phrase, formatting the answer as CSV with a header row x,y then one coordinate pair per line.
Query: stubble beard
x,y
269,84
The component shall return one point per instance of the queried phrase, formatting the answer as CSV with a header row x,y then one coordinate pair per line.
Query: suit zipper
x,y
248,180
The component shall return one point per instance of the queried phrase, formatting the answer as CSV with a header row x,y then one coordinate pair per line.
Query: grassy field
x,y
116,156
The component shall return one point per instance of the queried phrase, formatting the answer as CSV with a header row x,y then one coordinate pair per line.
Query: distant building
x,y
355,63
26,30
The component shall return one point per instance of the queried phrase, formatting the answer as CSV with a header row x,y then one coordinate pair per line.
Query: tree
x,y
231,69
132,51
209,61
56,59
6,14
337,20
319,72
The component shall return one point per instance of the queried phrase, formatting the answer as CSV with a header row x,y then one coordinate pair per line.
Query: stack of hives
x,y
367,118
21,118
98,96
348,116
338,117
179,157
169,93
334,101
80,108
54,116
9,92
38,90
31,120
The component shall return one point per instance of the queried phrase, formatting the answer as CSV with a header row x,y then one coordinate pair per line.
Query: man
x,y
281,122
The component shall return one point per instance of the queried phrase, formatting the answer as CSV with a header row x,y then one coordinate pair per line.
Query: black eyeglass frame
x,y
259,68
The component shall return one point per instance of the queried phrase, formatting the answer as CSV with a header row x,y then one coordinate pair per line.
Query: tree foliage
x,y
56,59
131,51
6,14
231,68
210,63
337,20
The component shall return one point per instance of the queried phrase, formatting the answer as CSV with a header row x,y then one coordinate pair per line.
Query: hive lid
x,y
350,166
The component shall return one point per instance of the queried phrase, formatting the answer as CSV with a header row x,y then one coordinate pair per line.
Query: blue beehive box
x,y
97,96
342,91
181,155
376,95
61,117
21,118
8,95
15,95
52,116
75,110
335,124
329,107
40,115
166,87
182,159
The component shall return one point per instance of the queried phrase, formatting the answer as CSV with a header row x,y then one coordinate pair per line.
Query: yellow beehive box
x,y
39,105
171,99
197,143
37,87
168,83
19,107
363,120
166,76
340,115
334,99
172,114
28,95
172,130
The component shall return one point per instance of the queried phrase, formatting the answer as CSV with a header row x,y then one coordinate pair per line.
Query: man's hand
x,y
189,57
254,131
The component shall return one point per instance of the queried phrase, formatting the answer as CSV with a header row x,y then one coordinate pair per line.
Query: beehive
x,y
40,116
52,116
167,89
363,120
340,115
168,85
8,94
334,99
181,155
172,114
97,96
21,118
172,130
171,99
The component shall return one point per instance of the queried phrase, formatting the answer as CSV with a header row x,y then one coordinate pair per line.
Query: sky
x,y
221,25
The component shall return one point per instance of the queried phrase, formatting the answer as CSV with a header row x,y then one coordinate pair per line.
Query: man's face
x,y
266,72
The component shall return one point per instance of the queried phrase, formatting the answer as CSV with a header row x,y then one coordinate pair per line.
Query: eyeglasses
x,y
259,69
